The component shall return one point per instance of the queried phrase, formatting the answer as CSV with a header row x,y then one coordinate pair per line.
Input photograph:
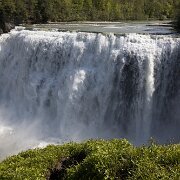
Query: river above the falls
x,y
142,27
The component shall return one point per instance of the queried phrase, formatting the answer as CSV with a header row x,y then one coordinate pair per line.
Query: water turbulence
x,y
61,86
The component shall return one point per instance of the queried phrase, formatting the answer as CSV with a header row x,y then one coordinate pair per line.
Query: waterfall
x,y
63,86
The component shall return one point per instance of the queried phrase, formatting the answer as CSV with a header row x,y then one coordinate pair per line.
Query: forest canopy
x,y
178,18
42,11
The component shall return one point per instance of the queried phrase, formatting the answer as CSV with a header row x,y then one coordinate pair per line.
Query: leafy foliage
x,y
114,159
40,11
178,17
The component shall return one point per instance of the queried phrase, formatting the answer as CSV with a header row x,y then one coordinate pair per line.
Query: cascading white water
x,y
61,86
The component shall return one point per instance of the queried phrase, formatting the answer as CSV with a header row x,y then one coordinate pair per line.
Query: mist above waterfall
x,y
63,86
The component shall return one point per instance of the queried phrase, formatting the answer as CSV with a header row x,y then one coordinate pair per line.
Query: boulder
x,y
6,27
1,31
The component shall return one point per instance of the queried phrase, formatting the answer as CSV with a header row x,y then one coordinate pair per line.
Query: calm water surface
x,y
148,27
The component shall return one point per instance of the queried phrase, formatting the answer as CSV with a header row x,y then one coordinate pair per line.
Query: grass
x,y
95,159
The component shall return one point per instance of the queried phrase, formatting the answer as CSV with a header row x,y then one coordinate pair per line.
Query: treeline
x,y
42,11
178,18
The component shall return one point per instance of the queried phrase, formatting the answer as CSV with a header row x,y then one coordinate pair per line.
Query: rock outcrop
x,y
6,27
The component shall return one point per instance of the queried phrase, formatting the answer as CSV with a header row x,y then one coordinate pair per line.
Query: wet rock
x,y
6,27
1,31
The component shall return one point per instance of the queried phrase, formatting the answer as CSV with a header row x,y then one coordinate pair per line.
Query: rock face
x,y
6,27
1,31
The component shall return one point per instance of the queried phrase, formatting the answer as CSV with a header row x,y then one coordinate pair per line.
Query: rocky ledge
x,y
6,27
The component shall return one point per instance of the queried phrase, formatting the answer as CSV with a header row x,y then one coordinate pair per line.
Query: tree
x,y
8,10
77,7
178,18
88,9
42,11
21,14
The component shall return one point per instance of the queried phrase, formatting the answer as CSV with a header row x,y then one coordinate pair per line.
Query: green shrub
x,y
95,159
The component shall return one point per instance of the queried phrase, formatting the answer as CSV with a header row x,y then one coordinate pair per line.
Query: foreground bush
x,y
95,159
